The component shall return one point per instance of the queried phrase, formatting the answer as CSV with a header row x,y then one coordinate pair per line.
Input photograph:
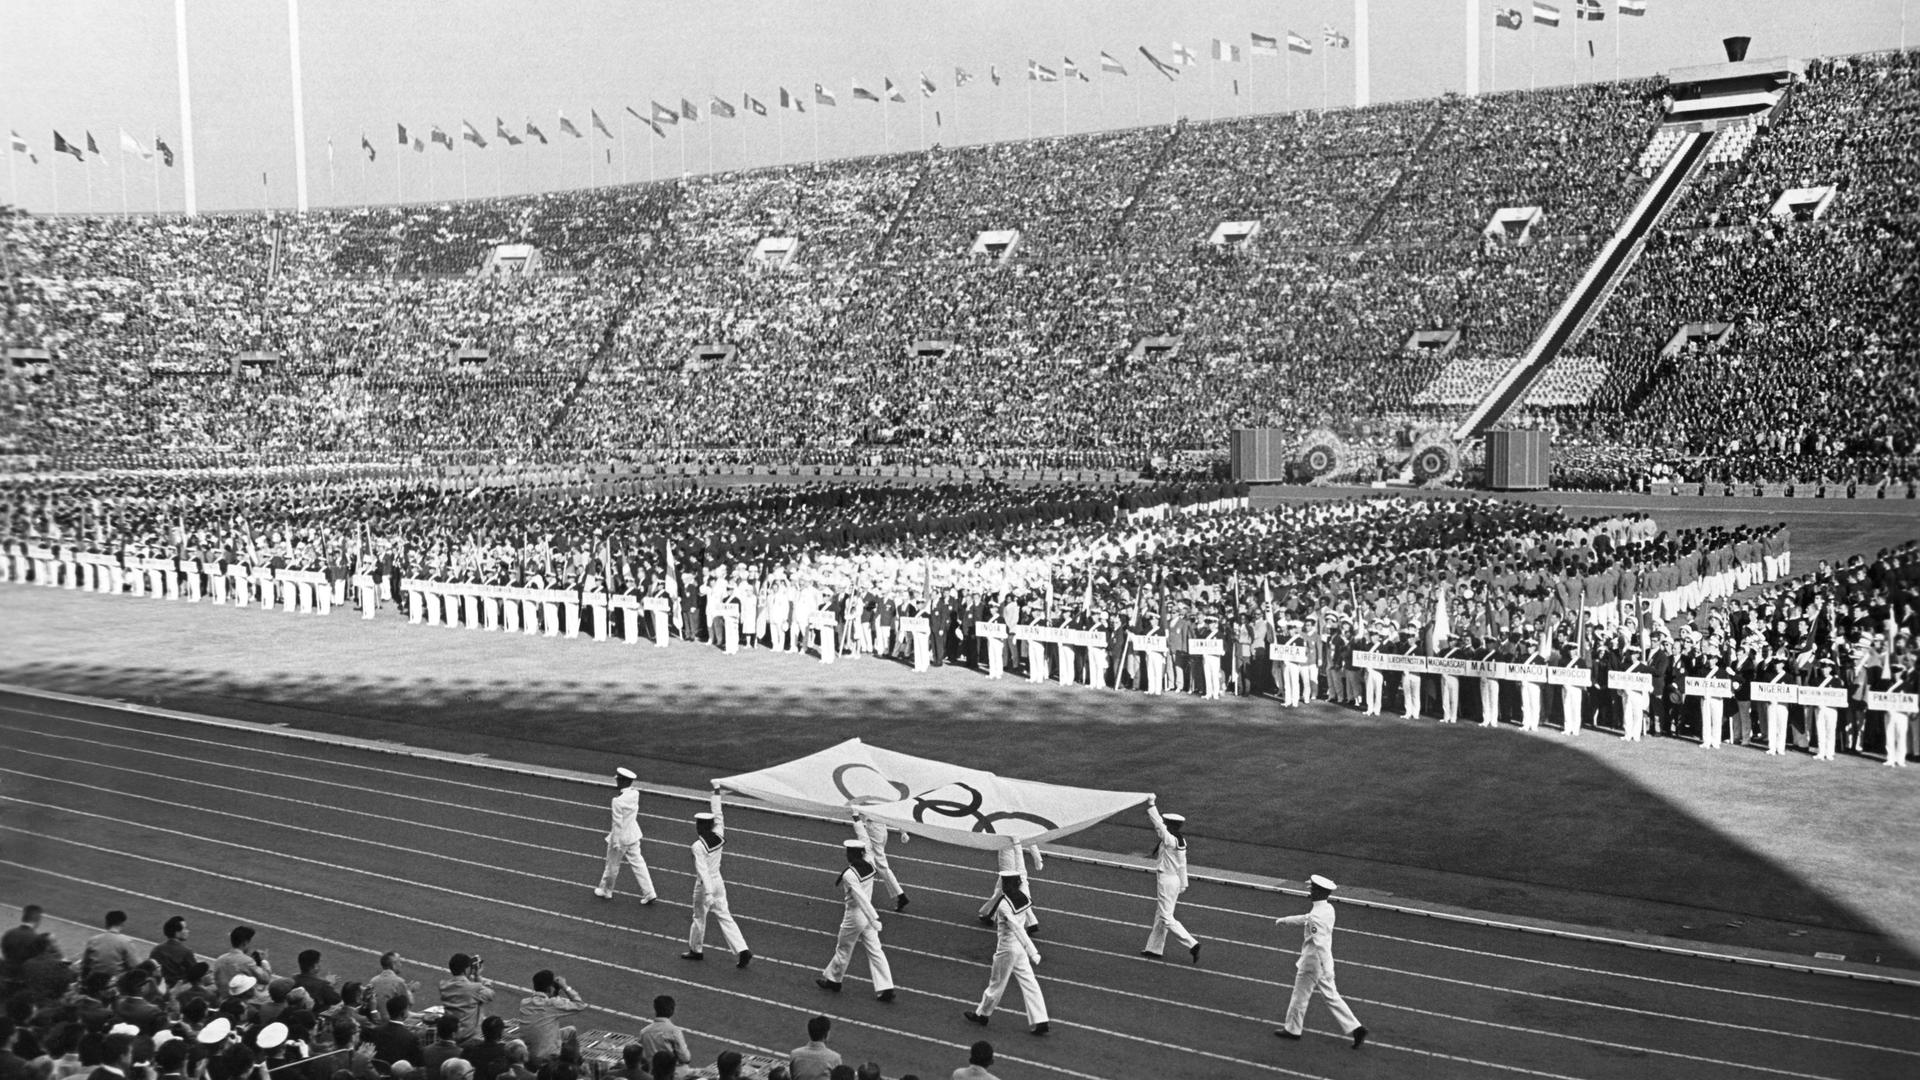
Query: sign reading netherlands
x,y
1641,681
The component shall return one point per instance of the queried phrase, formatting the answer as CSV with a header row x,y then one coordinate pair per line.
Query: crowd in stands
x,y
123,1010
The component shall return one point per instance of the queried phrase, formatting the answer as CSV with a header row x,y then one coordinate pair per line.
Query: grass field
x,y
1734,847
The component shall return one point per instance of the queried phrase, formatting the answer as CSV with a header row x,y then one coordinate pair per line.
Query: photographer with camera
x,y
540,1014
464,994
242,959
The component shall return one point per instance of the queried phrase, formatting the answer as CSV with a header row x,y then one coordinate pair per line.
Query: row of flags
x,y
62,145
1548,15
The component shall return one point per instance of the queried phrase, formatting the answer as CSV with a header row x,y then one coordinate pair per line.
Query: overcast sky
x,y
103,66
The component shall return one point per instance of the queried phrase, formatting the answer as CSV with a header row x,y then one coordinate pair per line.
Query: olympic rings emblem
x,y
982,823
900,791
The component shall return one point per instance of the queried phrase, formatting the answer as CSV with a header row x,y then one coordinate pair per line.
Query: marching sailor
x,y
623,840
1314,970
1014,957
1170,879
710,889
859,925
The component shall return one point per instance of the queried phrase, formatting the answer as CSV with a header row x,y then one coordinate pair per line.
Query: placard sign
x,y
1206,646
1630,680
1522,672
992,631
1827,697
1890,701
656,603
1781,692
1570,676
1149,642
1291,654
1701,686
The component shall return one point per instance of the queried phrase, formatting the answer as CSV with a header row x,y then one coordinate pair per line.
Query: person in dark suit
x,y
1662,710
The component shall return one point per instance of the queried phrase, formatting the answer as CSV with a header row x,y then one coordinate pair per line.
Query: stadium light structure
x,y
299,109
186,105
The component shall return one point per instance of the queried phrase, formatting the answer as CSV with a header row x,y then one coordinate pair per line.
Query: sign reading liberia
x,y
951,803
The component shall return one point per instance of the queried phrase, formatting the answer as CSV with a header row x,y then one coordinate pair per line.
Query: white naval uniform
x,y
1634,708
1532,695
1011,864
1826,724
1314,971
1572,701
874,835
1450,692
859,925
1013,959
623,845
710,889
1776,713
1170,879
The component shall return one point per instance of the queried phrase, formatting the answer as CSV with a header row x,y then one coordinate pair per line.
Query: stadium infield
x,y
1661,838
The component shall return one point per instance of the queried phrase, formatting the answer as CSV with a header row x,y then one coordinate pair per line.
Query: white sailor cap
x,y
241,984
271,1036
1322,882
216,1030
1173,817
703,817
854,845
625,773
124,1029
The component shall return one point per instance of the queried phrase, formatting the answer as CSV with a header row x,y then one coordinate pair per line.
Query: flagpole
x,y
299,109
1211,93
1472,8
1493,62
186,107
1533,31
123,181
1617,20
623,149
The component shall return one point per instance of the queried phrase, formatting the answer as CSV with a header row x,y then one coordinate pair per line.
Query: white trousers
x,y
1012,964
854,931
1449,699
630,855
1896,731
1530,694
1712,720
1308,981
1166,899
713,904
1572,698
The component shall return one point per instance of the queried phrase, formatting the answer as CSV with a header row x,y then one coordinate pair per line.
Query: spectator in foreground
x,y
110,951
816,1060
489,1056
387,983
394,1041
727,1066
664,1035
540,1014
442,1049
464,993
978,1058
173,955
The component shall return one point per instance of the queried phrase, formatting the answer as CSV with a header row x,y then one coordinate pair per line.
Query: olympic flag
x,y
950,803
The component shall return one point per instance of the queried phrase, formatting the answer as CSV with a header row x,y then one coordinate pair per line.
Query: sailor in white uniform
x,y
710,889
875,835
1014,957
1170,879
1011,864
623,840
1314,971
859,925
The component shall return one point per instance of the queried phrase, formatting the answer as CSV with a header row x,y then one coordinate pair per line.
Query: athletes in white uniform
x,y
1314,971
1170,879
1014,957
623,840
875,836
859,925
1012,865
710,889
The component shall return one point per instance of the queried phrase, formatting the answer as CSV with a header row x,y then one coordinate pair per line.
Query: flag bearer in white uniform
x,y
1012,865
1826,719
623,840
1014,957
1170,877
710,889
1314,971
859,925
875,835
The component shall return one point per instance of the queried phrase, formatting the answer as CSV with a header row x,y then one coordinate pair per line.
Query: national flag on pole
x,y
364,145
1072,70
722,109
536,133
993,72
927,88
1591,10
472,134
664,115
1040,73
1265,46
1183,56
1108,63
1633,7
166,152
599,124
62,146
790,101
753,104
1296,43
961,77
688,110
92,147
500,132
329,151
823,96
647,121
1546,13
861,93
133,146
1509,18
403,133
18,144
1160,65
1225,51
566,125
418,146
1334,39
436,135
892,92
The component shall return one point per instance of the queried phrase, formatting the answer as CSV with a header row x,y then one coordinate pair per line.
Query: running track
x,y
355,851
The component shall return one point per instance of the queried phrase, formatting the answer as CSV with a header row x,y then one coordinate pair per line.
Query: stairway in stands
x,y
1576,312
1441,117
1147,177
920,184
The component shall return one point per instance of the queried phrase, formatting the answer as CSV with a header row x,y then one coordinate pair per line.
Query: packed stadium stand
x,y
1124,296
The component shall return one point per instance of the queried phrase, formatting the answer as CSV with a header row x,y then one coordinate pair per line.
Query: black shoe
x,y
884,995
900,902
1151,955
648,902
745,958
975,1017
693,956
1285,1034
825,984
1195,952
1041,1028
1359,1036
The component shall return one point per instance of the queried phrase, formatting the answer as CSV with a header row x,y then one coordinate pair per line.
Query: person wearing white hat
x,y
1014,957
1313,973
859,925
1012,864
271,1037
1633,703
710,889
1170,880
623,840
218,1030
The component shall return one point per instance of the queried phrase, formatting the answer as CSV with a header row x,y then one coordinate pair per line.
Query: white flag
x,y
132,146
